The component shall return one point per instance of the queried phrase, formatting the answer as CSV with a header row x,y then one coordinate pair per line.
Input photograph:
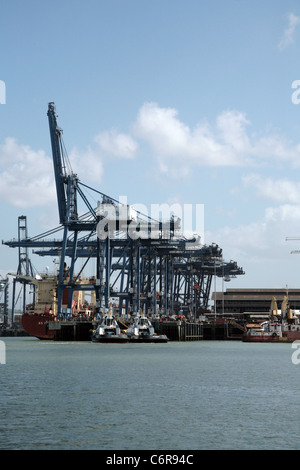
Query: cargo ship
x,y
282,326
41,319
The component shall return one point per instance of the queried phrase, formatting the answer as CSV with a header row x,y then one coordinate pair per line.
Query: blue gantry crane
x,y
160,273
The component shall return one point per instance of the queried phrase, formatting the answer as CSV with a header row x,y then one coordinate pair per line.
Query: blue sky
x,y
162,101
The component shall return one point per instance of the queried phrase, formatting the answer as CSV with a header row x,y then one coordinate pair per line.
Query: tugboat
x,y
108,331
142,331
281,327
266,332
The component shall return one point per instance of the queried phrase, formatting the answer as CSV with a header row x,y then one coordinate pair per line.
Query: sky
x,y
161,101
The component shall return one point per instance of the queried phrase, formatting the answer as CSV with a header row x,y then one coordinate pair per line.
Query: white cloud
x,y
279,190
227,143
262,241
232,125
119,145
289,33
87,164
177,149
170,138
285,213
276,148
26,175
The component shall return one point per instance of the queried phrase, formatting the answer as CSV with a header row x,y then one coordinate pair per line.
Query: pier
x,y
221,329
80,330
71,330
179,330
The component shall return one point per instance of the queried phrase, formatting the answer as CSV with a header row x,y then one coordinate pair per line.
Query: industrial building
x,y
241,301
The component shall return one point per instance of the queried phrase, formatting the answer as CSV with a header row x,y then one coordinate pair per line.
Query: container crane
x,y
163,271
66,189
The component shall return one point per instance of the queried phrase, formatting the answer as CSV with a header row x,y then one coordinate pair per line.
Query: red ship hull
x,y
260,339
287,337
291,336
37,325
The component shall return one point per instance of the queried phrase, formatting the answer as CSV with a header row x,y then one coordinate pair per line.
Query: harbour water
x,y
181,395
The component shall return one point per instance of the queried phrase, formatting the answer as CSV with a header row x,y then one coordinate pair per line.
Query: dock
x,y
175,330
71,330
212,329
223,329
179,330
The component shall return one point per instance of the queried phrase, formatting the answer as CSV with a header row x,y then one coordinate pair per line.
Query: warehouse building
x,y
237,301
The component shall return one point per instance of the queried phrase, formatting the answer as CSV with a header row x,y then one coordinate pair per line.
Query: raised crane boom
x,y
66,189
59,172
66,182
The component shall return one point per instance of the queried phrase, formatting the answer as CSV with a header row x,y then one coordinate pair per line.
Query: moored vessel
x,y
142,331
41,318
265,332
282,326
37,325
108,331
